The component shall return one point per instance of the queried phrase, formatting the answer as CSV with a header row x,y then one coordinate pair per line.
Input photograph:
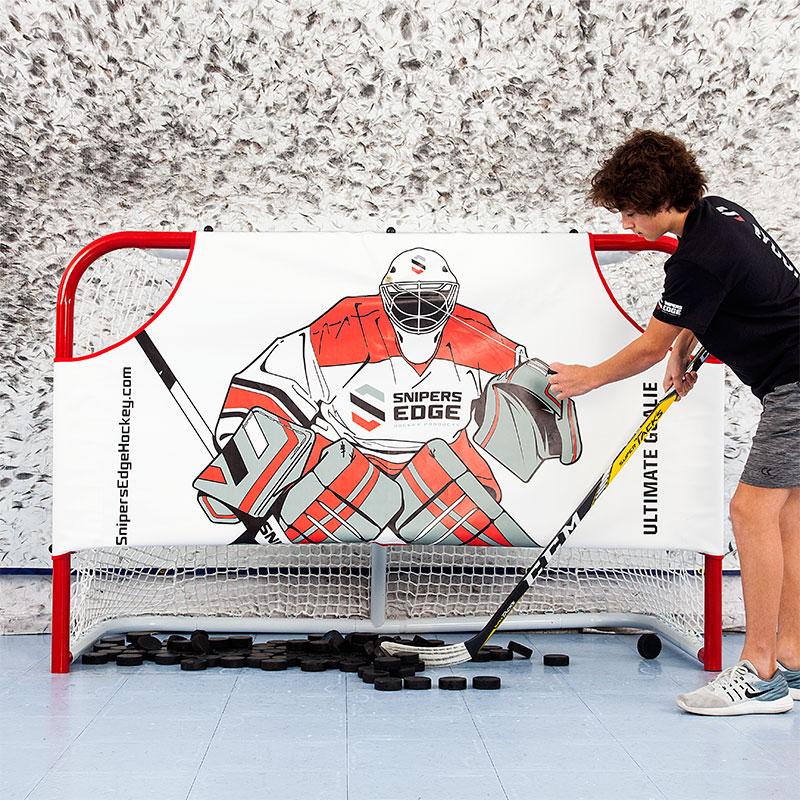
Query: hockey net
x,y
360,587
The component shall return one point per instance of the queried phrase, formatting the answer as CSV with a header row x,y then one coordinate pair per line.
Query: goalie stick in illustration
x,y
378,416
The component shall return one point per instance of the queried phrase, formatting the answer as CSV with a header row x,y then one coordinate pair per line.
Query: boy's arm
x,y
572,380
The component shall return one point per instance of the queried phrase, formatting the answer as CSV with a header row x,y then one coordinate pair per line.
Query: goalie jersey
x,y
344,377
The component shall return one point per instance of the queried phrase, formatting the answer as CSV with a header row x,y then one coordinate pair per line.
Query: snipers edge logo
x,y
371,407
670,308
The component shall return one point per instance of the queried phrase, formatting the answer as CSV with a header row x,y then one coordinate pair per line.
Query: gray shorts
x,y
774,460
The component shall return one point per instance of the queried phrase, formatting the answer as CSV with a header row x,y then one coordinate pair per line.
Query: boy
x,y
729,286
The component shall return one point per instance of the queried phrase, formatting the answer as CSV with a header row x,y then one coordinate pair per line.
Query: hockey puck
x,y
193,664
359,639
387,663
167,659
133,636
129,659
555,660
254,661
112,641
179,644
232,662
421,641
417,682
240,642
371,674
296,646
95,658
212,659
404,671
649,645
313,665
346,665
388,684
201,642
520,649
453,683
481,657
335,640
110,654
501,655
274,664
486,682
149,643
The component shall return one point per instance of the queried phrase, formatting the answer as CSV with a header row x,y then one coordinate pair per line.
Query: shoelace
x,y
732,677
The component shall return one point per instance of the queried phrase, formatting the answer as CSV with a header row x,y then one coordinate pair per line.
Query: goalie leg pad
x,y
444,503
264,456
522,425
344,498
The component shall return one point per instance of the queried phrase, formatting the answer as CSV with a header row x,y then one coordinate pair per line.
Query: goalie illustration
x,y
384,414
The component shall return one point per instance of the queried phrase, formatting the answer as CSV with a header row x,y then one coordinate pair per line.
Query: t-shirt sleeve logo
x,y
726,212
670,308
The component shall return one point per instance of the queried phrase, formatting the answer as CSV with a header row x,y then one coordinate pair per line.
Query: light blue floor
x,y
604,727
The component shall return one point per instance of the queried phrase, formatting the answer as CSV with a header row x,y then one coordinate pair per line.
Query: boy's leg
x,y
789,615
755,685
763,507
756,516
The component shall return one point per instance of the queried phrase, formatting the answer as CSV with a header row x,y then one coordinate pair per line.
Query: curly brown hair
x,y
646,173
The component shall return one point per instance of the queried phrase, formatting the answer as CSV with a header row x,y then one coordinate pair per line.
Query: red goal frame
x,y
710,655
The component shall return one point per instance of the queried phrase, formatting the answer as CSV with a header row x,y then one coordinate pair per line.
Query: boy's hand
x,y
677,376
570,380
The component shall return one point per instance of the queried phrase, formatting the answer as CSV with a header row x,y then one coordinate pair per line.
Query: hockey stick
x,y
463,651
173,386
200,427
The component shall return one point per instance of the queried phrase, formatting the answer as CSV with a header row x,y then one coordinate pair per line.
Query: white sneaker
x,y
739,690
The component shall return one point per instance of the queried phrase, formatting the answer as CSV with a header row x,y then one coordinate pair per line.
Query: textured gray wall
x,y
427,115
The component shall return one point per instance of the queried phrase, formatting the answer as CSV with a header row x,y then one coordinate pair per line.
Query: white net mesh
x,y
421,588
417,587
227,582
457,582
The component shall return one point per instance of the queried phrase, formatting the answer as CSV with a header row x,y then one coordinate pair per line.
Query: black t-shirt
x,y
733,287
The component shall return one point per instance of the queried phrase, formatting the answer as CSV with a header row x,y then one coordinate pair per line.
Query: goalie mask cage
x,y
313,588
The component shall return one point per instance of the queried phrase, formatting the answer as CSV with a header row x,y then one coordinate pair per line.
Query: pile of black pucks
x,y
358,653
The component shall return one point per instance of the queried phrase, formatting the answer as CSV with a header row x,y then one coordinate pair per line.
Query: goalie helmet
x,y
419,293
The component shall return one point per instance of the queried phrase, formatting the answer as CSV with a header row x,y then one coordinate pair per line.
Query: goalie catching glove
x,y
522,425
